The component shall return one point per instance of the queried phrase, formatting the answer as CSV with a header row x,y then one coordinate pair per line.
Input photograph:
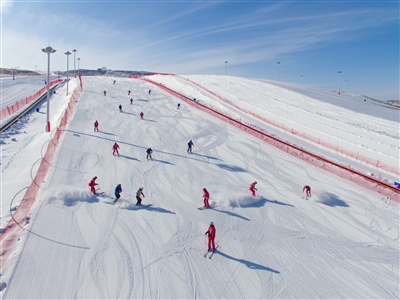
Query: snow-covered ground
x,y
12,91
342,243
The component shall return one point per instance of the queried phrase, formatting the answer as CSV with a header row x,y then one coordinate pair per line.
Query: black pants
x,y
117,195
139,200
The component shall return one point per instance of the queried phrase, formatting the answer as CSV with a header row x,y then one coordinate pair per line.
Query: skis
x,y
212,205
203,207
212,253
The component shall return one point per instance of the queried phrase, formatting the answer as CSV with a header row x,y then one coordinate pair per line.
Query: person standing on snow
x,y
190,145
118,191
211,232
96,126
141,115
92,185
139,193
308,190
105,93
131,101
206,196
115,148
120,108
179,105
149,152
129,92
149,92
253,189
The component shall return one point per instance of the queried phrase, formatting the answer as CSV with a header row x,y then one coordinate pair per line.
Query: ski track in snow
x,y
275,245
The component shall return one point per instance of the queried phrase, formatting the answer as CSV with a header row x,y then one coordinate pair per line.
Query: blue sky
x,y
312,40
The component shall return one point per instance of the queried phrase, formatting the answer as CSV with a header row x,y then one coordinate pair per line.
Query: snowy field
x,y
20,87
342,243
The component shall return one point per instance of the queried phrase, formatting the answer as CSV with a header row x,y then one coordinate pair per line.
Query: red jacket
x,y
211,232
92,182
116,146
206,194
96,124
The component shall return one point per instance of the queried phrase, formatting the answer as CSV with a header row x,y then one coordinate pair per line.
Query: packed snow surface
x,y
342,243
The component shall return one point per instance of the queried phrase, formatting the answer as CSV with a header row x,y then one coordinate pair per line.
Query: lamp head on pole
x,y
49,50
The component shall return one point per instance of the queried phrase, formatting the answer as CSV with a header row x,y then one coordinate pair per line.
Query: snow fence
x,y
11,232
346,172
354,155
9,110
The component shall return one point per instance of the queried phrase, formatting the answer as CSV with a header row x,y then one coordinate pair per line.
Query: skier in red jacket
x,y
96,126
115,149
105,93
92,183
253,189
308,190
141,115
206,196
211,237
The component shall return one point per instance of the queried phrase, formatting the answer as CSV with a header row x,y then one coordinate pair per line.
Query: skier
x,y
105,93
120,108
179,105
96,126
129,92
92,185
149,92
118,190
190,145
211,237
141,115
131,101
308,190
149,152
253,189
138,198
206,196
115,81
115,148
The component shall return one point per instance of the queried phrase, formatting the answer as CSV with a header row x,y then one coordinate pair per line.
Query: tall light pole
x,y
278,63
48,50
339,72
14,71
67,54
74,60
78,63
226,67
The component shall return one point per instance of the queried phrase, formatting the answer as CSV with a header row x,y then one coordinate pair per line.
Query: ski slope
x,y
343,243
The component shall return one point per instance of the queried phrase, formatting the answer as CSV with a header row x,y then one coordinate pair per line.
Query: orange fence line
x,y
10,234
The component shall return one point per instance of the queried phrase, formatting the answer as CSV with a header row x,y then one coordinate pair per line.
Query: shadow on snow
x,y
249,264
231,214
231,168
150,208
331,200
